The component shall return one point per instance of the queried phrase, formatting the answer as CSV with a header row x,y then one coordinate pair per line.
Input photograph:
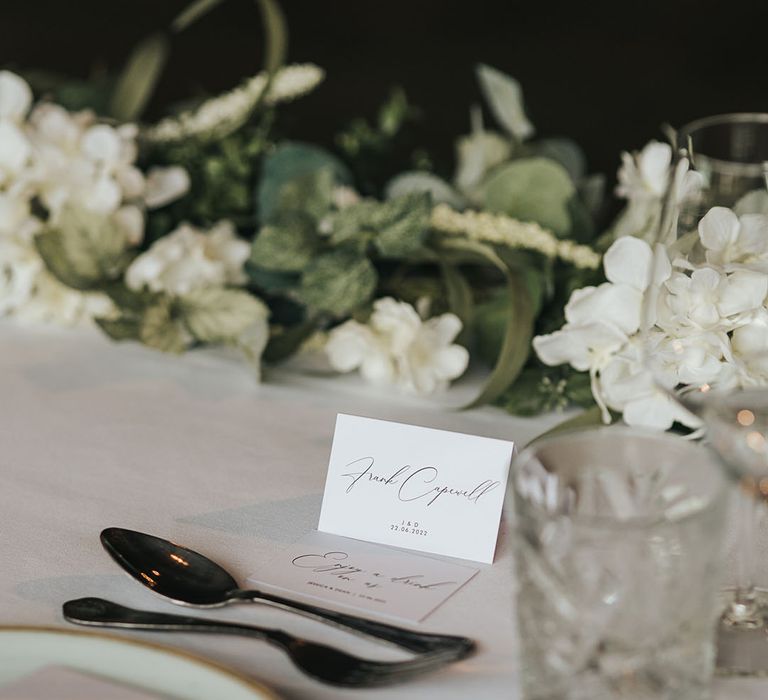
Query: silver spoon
x,y
189,578
322,662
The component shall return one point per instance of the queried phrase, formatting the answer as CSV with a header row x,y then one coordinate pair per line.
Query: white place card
x,y
68,684
344,573
418,488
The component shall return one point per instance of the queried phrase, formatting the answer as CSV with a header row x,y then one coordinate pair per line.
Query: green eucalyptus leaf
x,y
139,78
288,162
338,282
531,189
505,98
84,250
565,152
310,194
123,328
417,182
287,245
160,328
218,315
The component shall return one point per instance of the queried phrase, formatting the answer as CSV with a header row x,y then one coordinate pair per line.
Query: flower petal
x,y
15,96
617,304
718,229
101,143
628,261
451,362
745,290
14,148
164,185
582,346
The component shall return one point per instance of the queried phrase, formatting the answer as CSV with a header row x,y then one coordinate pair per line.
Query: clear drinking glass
x,y
727,155
618,549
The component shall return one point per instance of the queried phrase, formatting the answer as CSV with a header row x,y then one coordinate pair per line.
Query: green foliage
x,y
541,389
338,282
217,315
590,418
84,250
531,189
139,77
223,174
288,245
566,152
397,228
293,170
505,98
160,327
123,328
375,151
415,182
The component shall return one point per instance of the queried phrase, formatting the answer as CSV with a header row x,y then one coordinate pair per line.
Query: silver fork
x,y
324,663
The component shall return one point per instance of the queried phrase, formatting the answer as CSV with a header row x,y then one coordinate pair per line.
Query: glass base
x,y
742,636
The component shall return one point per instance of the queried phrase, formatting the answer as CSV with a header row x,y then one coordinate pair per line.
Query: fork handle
x,y
419,642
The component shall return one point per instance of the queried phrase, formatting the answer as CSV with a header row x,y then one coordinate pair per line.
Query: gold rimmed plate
x,y
150,667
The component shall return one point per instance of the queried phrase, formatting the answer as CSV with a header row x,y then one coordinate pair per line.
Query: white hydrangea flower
x,y
398,347
710,299
189,259
732,241
600,321
64,159
643,179
709,322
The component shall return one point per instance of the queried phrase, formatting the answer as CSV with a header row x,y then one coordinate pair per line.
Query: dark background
x,y
606,73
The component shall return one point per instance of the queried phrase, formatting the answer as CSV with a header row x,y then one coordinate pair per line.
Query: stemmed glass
x,y
721,162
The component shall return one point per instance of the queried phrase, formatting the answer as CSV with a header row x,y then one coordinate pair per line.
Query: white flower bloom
x,y
19,267
629,387
478,152
15,97
189,259
601,320
709,299
397,347
644,175
164,185
732,241
14,151
643,180
353,345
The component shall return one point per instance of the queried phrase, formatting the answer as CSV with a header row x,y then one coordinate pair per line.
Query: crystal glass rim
x,y
636,523
733,167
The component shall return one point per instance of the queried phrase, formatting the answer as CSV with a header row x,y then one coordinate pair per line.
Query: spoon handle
x,y
419,642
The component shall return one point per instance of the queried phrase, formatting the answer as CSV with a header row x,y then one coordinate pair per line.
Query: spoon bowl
x,y
173,571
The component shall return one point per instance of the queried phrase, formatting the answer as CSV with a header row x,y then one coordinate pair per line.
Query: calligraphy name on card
x,y
418,488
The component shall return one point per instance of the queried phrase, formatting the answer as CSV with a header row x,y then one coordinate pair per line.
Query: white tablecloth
x,y
94,434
